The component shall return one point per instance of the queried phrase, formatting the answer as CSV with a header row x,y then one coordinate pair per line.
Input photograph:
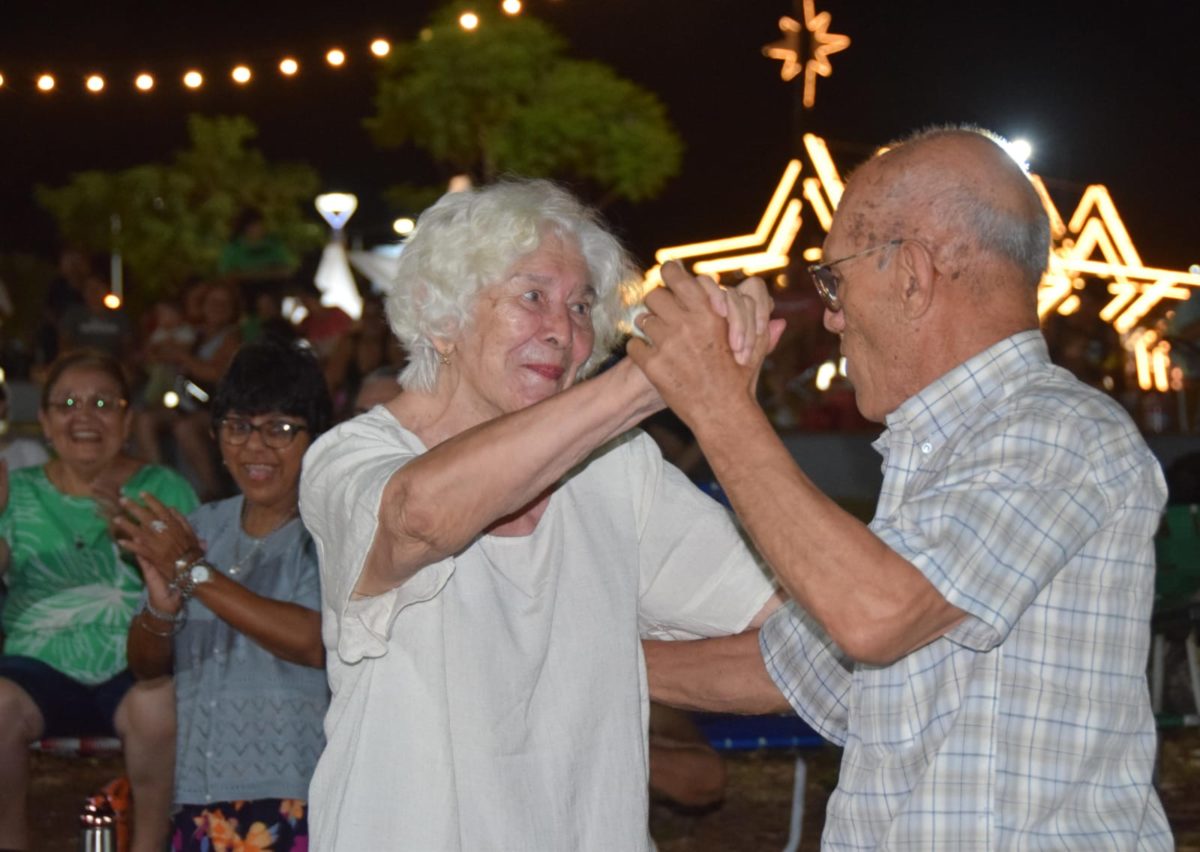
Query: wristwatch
x,y
197,574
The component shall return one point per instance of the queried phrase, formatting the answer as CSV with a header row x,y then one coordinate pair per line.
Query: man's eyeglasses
x,y
826,280
99,404
276,434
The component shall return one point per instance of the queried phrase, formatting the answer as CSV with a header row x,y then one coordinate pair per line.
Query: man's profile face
x,y
868,323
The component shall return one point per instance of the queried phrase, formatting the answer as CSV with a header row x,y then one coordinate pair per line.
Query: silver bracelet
x,y
163,616
176,625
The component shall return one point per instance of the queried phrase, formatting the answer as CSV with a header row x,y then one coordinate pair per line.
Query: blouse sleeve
x,y
341,489
699,577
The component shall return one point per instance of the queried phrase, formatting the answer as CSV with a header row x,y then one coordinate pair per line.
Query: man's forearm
x,y
725,674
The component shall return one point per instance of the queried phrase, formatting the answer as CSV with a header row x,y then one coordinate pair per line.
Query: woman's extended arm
x,y
438,502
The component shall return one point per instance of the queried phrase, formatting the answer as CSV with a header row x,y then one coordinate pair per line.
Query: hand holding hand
x,y
704,344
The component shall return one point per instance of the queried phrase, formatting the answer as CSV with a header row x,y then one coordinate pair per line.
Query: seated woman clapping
x,y
72,596
231,607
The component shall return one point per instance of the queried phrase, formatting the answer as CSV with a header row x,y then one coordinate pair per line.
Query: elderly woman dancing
x,y
232,597
486,576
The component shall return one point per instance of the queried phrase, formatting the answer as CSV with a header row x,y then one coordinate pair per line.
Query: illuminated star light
x,y
822,45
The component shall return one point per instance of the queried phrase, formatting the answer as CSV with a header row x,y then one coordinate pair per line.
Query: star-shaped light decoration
x,y
822,44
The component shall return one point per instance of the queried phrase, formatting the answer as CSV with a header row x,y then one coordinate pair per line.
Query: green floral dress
x,y
71,591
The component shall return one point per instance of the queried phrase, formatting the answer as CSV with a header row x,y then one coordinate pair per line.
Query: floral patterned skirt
x,y
277,825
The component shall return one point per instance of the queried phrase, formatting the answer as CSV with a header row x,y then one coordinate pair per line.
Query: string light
x,y
112,301
336,57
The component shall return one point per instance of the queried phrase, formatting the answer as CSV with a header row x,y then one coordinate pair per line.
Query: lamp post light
x,y
334,278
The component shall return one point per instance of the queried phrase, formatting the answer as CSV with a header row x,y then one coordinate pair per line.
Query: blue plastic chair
x,y
730,732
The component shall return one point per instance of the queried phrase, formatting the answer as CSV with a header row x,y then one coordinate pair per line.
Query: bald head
x,y
959,191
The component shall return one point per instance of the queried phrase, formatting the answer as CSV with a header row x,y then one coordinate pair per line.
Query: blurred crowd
x,y
176,347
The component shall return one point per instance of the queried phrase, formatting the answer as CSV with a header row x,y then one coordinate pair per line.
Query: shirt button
x,y
926,447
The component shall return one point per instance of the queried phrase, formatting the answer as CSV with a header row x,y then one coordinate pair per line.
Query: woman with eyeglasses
x,y
232,607
72,594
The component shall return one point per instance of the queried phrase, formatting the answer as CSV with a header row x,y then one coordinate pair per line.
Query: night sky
x,y
1106,93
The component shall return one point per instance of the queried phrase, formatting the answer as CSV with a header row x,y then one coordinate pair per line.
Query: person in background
x,y
980,648
255,260
71,597
369,346
324,326
377,387
65,291
94,325
232,608
16,452
170,335
200,366
485,576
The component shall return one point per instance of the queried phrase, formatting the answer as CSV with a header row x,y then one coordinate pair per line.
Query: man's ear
x,y
916,273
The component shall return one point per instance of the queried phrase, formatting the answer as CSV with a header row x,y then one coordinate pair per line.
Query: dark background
x,y
1107,93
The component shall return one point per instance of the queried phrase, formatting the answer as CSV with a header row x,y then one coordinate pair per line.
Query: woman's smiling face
x,y
530,332
86,418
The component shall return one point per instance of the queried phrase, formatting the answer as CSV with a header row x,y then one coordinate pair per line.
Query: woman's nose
x,y
556,324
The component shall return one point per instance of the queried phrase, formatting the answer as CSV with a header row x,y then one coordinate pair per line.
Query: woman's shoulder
x,y
377,426
167,485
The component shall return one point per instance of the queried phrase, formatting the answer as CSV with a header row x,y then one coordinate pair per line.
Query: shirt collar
x,y
933,413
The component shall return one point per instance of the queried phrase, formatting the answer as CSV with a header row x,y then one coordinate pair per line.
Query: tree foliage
x,y
170,220
505,98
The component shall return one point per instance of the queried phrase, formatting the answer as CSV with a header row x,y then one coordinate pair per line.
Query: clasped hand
x,y
703,343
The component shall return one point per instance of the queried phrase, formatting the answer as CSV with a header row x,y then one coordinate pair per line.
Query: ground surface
x,y
753,818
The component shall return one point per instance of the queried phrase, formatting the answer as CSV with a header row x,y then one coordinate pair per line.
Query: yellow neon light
x,y
821,45
1058,228
818,152
1097,196
1141,344
787,49
770,217
775,256
812,194
824,44
1160,361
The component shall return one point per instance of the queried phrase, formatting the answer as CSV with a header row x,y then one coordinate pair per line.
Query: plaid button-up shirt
x,y
1030,502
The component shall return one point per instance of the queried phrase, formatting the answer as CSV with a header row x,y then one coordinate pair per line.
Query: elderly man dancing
x,y
979,648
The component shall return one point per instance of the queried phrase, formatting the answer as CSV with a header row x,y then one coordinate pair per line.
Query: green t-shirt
x,y
71,591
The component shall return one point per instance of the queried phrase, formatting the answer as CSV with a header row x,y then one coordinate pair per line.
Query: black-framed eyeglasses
x,y
275,434
101,404
826,280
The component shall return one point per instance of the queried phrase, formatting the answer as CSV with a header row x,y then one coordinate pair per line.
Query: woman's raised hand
x,y
159,536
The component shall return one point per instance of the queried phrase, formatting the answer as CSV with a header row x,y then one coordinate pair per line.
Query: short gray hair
x,y
1021,236
468,240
